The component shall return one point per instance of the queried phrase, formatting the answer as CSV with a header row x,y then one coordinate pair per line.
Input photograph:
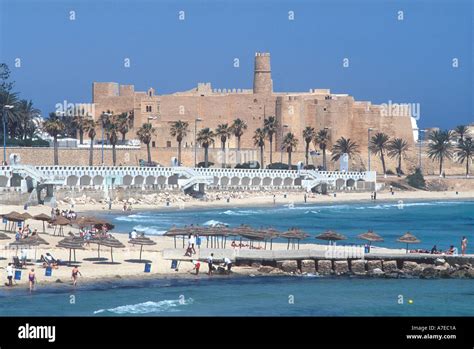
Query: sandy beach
x,y
126,266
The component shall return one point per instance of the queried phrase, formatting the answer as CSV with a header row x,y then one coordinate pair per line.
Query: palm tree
x,y
344,146
322,140
145,134
378,146
289,143
89,128
124,124
224,132
465,152
461,131
308,134
238,127
205,137
10,115
179,129
397,148
112,127
259,141
54,127
440,147
270,126
78,120
26,114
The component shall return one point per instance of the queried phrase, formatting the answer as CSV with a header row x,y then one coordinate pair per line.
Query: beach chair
x,y
17,263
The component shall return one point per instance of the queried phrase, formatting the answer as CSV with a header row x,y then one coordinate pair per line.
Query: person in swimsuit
x,y
463,245
75,271
32,279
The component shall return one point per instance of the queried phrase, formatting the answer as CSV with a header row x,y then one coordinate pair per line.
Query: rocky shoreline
x,y
369,268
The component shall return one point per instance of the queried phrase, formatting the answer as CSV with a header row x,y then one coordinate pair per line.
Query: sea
x,y
441,223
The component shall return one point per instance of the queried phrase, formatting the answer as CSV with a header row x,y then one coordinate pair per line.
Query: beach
x,y
126,266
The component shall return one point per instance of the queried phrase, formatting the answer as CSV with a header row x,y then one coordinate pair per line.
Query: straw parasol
x,y
142,240
4,236
112,243
12,217
71,243
61,221
409,238
331,235
370,236
294,234
42,217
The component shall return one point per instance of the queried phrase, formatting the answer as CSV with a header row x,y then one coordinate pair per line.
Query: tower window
x,y
168,144
153,144
148,108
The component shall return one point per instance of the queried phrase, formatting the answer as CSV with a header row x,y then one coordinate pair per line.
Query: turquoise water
x,y
437,222
257,296
441,223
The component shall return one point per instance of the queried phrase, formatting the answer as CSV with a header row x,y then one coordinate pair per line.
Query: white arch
x,y
72,180
127,180
235,181
225,180
256,180
150,180
277,181
267,181
138,180
85,180
98,180
161,180
3,181
288,181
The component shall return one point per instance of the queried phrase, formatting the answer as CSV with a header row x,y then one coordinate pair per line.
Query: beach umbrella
x,y
294,234
112,243
370,236
12,217
61,222
408,238
331,235
42,217
25,216
71,243
142,240
4,236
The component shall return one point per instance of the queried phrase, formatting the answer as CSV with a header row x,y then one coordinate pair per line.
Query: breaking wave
x,y
148,307
152,230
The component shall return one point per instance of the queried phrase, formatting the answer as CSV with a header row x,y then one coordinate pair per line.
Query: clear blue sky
x,y
407,61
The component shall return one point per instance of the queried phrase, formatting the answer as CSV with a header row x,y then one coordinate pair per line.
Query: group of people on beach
x,y
25,232
451,251
69,214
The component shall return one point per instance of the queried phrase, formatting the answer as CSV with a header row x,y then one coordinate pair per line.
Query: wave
x,y
213,223
149,230
239,213
148,307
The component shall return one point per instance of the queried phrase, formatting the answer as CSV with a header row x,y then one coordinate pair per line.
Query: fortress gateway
x,y
318,108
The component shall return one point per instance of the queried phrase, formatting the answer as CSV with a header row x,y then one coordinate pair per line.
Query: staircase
x,y
193,178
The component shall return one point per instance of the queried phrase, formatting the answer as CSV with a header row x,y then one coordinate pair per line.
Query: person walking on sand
x,y
463,245
9,275
192,242
197,266
75,271
32,279
210,261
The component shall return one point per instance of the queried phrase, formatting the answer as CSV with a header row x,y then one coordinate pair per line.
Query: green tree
x,y
259,141
465,152
205,137
322,140
238,128
289,144
79,120
26,114
378,146
145,133
124,124
90,128
179,129
440,147
270,126
54,127
461,131
397,148
308,135
344,146
224,132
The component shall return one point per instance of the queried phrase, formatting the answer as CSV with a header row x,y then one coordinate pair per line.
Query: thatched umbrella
x,y
175,231
42,217
370,236
408,238
12,217
25,216
61,221
71,243
294,234
112,243
4,236
142,241
331,235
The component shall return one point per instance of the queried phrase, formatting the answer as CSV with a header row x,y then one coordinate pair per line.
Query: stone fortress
x,y
319,108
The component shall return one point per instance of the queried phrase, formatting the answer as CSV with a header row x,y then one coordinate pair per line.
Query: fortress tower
x,y
262,79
